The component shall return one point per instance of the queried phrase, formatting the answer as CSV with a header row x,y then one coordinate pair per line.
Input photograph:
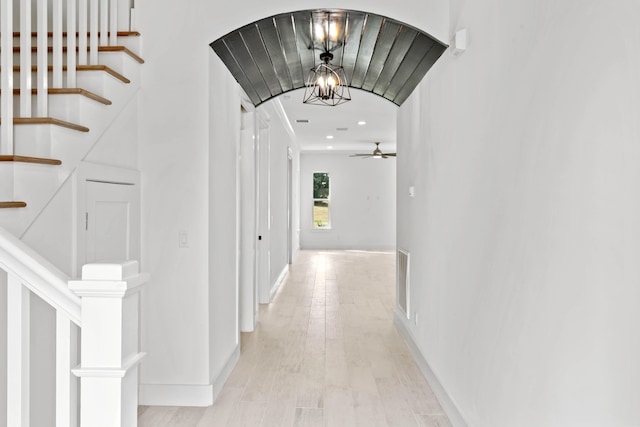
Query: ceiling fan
x,y
377,153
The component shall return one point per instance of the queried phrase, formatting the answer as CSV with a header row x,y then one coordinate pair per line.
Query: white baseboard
x,y
279,280
218,380
175,395
447,403
187,394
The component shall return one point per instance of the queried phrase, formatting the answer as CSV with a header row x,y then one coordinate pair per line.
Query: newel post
x,y
109,350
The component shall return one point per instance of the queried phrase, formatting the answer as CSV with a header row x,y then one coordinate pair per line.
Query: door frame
x,y
289,205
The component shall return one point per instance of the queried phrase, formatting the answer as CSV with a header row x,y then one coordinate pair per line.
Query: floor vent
x,y
402,285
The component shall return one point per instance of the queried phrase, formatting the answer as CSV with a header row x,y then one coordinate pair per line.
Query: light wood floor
x,y
326,353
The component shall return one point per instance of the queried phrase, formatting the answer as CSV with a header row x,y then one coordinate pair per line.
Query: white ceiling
x,y
378,113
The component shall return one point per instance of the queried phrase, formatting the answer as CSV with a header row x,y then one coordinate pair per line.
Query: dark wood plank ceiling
x,y
275,55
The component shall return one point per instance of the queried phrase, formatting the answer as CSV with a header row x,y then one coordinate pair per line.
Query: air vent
x,y
342,129
302,120
402,279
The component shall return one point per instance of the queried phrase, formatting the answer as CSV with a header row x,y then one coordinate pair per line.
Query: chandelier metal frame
x,y
327,84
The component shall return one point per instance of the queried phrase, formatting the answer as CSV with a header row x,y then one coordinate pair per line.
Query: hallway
x,y
325,353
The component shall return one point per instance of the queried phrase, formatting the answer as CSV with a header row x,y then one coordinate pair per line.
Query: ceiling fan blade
x,y
390,154
360,155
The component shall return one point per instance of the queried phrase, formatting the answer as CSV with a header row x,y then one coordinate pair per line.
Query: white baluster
x,y
82,32
18,352
71,44
64,379
93,30
25,58
104,22
42,61
6,78
56,15
113,23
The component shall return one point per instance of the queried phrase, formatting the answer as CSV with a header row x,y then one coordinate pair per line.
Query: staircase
x,y
69,69
65,89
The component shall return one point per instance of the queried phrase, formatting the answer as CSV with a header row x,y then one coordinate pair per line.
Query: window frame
x,y
327,200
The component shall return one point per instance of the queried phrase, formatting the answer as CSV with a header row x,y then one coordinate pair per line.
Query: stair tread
x,y
48,121
6,205
28,159
65,33
69,91
100,49
106,69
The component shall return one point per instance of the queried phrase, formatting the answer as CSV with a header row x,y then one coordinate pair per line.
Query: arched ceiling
x,y
379,55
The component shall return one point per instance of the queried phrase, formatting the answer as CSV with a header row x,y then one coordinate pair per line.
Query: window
x,y
321,218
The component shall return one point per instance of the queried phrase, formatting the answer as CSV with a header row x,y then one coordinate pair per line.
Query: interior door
x,y
289,205
111,222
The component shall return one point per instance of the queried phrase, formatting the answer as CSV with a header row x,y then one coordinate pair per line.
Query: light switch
x,y
183,239
412,191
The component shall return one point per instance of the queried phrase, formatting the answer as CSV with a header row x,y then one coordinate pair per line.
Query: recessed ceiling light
x,y
329,136
362,123
330,147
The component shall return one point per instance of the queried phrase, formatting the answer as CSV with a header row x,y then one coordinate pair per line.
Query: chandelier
x,y
327,83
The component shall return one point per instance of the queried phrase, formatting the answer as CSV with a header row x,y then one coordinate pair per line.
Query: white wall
x,y
174,151
362,202
223,239
524,154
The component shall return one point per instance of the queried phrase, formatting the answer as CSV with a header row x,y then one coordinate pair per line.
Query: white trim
x,y
279,280
108,288
447,402
127,365
188,394
282,115
218,381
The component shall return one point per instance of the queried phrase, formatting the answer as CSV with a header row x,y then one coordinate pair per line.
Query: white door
x,y
289,205
111,222
263,148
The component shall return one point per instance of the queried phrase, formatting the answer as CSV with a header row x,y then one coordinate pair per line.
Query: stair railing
x,y
28,272
104,305
87,25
